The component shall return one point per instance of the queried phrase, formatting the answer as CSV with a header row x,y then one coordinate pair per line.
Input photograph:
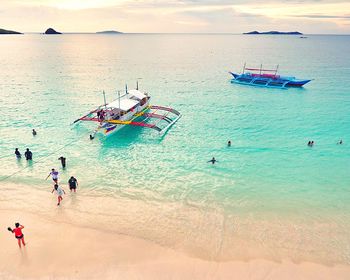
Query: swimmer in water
x,y
213,160
229,143
310,143
340,142
18,234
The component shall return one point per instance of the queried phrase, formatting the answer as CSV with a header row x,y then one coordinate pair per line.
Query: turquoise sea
x,y
269,195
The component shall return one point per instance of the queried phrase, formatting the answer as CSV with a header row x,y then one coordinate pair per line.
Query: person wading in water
x,y
73,183
63,161
54,175
59,191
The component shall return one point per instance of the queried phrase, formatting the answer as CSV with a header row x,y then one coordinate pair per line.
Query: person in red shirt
x,y
18,234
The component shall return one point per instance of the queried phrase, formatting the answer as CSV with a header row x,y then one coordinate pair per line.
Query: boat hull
x,y
267,81
108,129
298,83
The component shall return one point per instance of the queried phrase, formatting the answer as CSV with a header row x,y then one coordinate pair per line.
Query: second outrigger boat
x,y
133,108
266,78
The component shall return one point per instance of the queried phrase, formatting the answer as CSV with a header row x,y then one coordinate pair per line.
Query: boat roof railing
x,y
258,69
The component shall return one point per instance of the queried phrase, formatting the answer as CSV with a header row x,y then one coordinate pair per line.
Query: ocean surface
x,y
269,195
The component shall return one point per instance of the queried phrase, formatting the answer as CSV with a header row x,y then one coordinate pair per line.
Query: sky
x,y
177,16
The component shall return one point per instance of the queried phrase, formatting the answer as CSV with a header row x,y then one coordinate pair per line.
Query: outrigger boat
x,y
133,108
266,78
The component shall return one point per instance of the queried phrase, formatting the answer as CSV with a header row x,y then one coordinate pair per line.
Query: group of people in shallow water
x,y
310,144
72,183
213,160
28,154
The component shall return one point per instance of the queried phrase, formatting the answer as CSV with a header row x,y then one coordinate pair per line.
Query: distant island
x,y
109,32
4,31
52,31
273,33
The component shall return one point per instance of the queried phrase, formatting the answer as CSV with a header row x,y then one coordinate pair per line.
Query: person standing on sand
x,y
18,234
34,132
73,183
59,191
54,175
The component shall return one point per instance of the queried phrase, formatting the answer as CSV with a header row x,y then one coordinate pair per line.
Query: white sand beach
x,y
59,248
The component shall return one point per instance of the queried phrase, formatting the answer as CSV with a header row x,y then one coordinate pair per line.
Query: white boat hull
x,y
108,129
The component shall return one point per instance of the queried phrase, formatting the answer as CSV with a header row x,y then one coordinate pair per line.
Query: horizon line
x,y
178,33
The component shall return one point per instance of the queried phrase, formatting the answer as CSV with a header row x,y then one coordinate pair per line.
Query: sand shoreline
x,y
64,251
60,247
61,251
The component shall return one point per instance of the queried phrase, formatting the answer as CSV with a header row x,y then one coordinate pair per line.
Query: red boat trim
x,y
145,125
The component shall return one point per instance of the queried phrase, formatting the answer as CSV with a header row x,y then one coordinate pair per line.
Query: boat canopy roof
x,y
124,105
138,94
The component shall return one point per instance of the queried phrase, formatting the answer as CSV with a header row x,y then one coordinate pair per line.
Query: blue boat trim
x,y
266,80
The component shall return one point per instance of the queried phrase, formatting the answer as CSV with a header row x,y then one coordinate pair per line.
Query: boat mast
x,y
104,98
260,68
137,85
126,88
119,97
244,67
276,69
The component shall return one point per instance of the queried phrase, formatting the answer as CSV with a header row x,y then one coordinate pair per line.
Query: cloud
x,y
321,16
222,16
218,15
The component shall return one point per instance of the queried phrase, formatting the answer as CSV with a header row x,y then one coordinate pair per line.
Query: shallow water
x,y
269,190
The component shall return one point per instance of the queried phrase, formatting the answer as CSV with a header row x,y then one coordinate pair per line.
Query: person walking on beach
x,y
18,154
18,234
213,160
34,132
54,175
59,191
63,161
73,183
28,154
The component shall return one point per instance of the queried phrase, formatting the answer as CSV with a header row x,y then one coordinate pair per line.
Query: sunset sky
x,y
212,16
